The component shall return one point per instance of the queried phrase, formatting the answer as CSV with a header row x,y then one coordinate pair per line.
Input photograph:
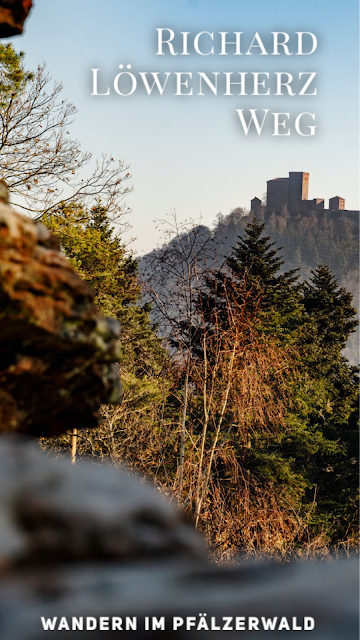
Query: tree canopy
x,y
39,160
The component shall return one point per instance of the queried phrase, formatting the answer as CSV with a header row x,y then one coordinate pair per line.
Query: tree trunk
x,y
73,445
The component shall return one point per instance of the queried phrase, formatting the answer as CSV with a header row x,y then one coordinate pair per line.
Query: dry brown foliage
x,y
239,390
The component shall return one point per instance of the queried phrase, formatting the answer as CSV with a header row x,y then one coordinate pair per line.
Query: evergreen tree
x,y
256,259
249,305
301,454
99,256
13,76
330,308
330,318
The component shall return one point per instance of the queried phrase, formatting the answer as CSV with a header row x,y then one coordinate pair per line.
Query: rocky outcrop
x,y
13,14
57,353
93,545
54,512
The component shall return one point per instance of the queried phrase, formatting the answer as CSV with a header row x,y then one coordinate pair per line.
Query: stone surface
x,y
57,353
326,592
92,541
52,511
13,14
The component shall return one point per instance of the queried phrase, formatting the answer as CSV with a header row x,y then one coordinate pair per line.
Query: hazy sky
x,y
189,153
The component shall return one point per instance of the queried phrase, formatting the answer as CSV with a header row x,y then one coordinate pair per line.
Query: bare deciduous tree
x,y
39,160
173,276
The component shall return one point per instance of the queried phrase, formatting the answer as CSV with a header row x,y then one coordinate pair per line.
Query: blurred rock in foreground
x,y
13,14
52,512
90,545
57,353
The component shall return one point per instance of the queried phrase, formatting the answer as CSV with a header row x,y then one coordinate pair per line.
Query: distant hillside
x,y
306,240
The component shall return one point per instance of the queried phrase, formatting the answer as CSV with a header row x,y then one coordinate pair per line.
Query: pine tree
x,y
301,455
245,373
13,76
330,319
255,264
256,259
330,308
100,257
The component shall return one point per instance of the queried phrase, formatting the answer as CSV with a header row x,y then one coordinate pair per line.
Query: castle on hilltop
x,y
292,193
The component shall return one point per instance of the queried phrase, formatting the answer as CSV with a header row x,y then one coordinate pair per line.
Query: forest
x,y
237,351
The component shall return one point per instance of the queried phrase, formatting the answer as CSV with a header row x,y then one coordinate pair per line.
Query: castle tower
x,y
277,194
298,190
337,204
256,206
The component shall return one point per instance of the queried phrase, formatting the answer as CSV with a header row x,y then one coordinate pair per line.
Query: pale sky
x,y
189,153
